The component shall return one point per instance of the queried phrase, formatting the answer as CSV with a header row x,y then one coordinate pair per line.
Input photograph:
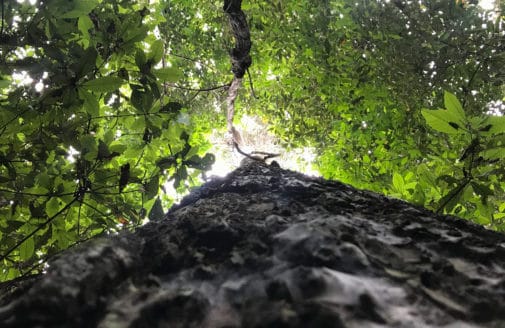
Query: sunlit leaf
x,y
494,153
168,74
398,182
104,84
443,121
53,206
156,51
454,107
27,249
497,124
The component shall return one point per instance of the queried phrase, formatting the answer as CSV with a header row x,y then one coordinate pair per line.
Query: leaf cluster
x,y
90,130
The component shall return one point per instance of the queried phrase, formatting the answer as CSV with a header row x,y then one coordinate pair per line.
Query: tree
x,y
266,247
103,102
375,66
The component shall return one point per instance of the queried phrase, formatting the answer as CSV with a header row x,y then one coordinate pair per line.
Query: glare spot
x,y
22,78
39,86
271,76
487,4
71,154
112,99
496,108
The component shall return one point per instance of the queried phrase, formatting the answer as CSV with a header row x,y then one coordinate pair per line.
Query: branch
x,y
240,57
224,86
252,154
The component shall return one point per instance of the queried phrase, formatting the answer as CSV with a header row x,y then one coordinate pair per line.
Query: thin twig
x,y
251,84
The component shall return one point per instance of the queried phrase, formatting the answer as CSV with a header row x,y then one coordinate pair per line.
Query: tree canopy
x,y
105,103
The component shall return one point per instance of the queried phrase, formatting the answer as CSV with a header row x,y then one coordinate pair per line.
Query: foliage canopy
x,y
103,101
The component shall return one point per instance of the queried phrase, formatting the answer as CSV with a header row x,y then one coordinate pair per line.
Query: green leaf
x,y
136,99
166,162
89,147
43,180
442,121
168,74
117,147
398,182
91,105
497,124
104,84
152,187
171,107
81,8
494,153
454,107
4,84
84,24
27,249
12,225
53,206
482,190
140,59
136,34
156,51
156,212
141,100
103,150
426,175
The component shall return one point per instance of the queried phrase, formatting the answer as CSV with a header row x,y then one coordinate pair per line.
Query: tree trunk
x,y
266,247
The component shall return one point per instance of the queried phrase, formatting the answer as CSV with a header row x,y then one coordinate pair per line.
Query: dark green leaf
x,y
156,212
104,84
171,107
152,187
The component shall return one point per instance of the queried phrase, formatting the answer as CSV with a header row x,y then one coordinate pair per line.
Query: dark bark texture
x,y
266,247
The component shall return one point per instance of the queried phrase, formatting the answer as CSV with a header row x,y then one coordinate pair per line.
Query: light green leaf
x,y
443,121
104,84
454,107
43,180
37,190
4,84
117,146
398,182
27,249
84,24
494,153
134,34
53,206
168,74
156,51
497,124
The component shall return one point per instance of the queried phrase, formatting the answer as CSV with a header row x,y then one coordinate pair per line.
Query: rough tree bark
x,y
266,247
